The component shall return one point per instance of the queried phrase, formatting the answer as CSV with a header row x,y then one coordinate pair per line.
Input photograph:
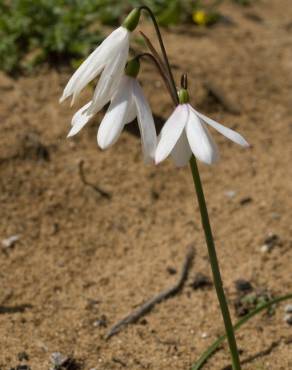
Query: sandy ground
x,y
83,261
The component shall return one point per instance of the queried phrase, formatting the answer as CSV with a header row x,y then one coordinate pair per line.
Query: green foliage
x,y
62,31
53,30
213,348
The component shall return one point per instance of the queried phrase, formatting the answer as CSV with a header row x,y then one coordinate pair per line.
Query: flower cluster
x,y
185,132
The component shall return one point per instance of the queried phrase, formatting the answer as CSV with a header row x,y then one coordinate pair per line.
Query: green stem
x,y
215,266
204,215
163,50
160,70
214,346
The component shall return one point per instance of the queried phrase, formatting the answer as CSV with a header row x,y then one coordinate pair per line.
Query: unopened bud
x,y
183,96
132,68
132,20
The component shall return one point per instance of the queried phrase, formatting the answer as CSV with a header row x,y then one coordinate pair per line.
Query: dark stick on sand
x,y
149,305
102,192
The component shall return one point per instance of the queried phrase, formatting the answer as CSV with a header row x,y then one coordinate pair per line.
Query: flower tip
x,y
70,133
243,142
72,102
101,143
246,144
148,159
74,130
62,99
92,109
210,160
157,161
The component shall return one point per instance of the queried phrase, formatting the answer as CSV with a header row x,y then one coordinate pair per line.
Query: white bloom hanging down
x,y
109,60
186,132
115,85
127,103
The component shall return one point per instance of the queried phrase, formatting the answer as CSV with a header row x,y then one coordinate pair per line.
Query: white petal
x,y
79,80
227,132
132,111
110,79
80,114
114,119
96,61
201,143
181,153
171,132
145,121
79,120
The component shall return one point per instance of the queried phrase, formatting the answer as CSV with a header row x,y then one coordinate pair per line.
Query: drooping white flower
x,y
127,103
109,60
186,132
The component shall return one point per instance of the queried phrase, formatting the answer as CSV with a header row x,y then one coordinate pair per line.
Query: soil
x,y
82,260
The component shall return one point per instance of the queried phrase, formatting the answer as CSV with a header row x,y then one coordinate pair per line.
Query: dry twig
x,y
102,192
149,305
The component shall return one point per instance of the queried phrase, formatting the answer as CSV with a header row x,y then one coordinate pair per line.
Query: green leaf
x,y
215,345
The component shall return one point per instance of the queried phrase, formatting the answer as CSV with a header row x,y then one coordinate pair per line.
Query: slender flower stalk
x,y
181,154
160,69
215,265
183,98
163,50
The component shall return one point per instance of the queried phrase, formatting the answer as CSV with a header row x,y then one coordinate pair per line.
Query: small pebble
x,y
155,195
288,308
230,193
171,270
143,322
288,319
101,323
201,281
272,239
243,286
204,335
58,359
9,242
265,248
22,356
245,200
270,242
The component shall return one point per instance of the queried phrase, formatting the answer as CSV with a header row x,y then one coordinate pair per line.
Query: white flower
x,y
127,103
109,59
186,132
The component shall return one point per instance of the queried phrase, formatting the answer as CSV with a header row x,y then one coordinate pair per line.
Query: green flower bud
x,y
132,20
183,96
132,68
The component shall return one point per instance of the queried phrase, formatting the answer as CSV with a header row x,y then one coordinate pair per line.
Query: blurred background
x,y
65,31
87,235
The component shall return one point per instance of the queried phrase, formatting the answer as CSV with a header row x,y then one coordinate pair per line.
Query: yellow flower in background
x,y
200,17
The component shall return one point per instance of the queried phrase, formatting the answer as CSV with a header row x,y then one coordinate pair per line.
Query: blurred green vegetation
x,y
65,31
